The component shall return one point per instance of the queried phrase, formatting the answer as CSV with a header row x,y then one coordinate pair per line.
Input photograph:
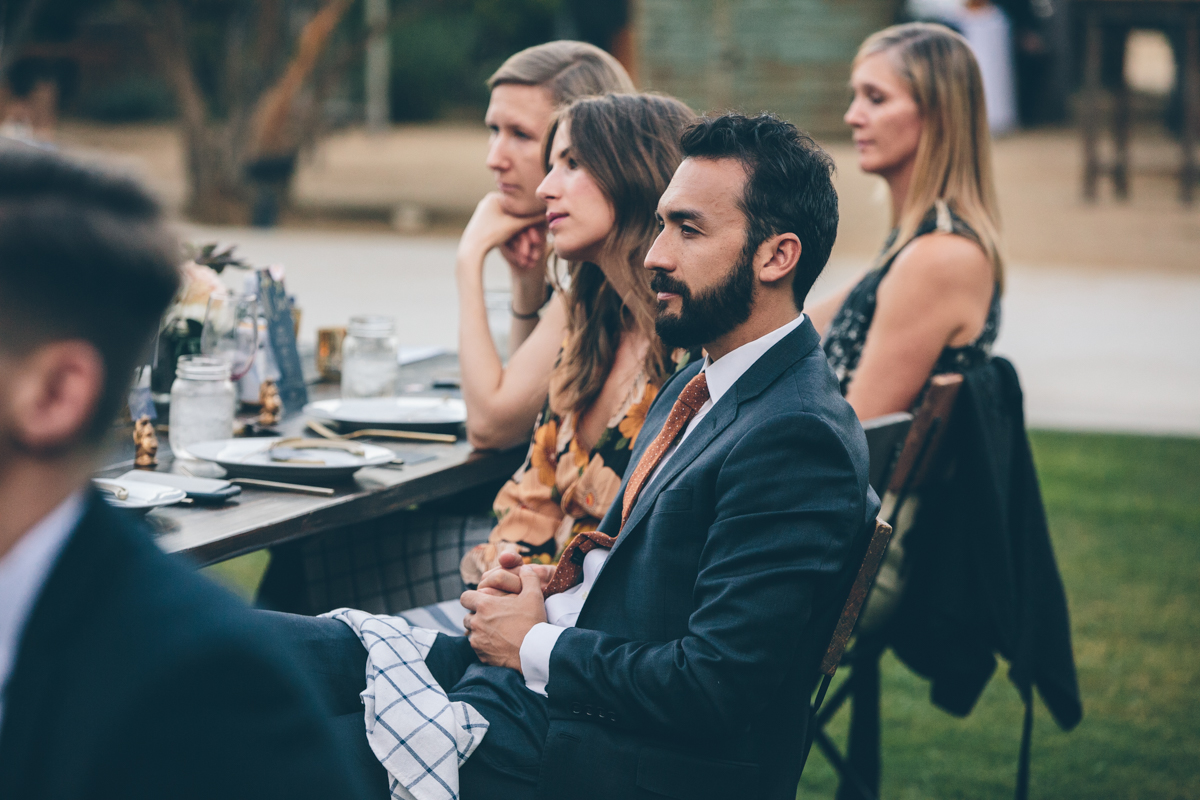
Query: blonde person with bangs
x,y
931,304
502,401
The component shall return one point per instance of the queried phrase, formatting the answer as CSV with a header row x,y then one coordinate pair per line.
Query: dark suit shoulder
x,y
170,676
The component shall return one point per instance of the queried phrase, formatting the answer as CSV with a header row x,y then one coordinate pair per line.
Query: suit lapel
x,y
761,374
715,421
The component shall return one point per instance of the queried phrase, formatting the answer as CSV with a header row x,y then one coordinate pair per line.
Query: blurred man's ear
x,y
55,391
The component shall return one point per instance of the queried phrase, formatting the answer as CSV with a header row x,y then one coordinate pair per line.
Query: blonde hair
x,y
954,156
566,69
629,145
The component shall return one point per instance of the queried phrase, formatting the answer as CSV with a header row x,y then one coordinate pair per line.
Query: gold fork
x,y
415,436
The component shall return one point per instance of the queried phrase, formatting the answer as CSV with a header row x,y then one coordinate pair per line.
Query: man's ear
x,y
56,393
778,255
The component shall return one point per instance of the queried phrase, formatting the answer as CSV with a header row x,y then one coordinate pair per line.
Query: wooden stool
x,y
1182,15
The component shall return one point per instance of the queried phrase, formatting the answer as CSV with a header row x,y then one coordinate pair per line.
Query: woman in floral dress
x,y
608,369
611,362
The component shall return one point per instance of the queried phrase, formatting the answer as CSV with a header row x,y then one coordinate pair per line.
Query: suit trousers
x,y
508,760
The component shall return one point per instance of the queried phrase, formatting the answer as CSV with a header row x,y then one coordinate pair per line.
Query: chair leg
x,y
830,751
863,748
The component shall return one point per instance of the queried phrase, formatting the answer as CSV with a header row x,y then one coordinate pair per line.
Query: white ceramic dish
x,y
254,458
138,496
429,414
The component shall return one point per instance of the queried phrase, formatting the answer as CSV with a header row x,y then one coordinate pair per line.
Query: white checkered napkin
x,y
415,731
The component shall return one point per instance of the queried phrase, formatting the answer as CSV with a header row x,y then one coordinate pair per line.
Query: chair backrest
x,y
921,444
863,582
884,436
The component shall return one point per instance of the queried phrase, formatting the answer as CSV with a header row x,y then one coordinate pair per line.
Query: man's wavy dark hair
x,y
789,185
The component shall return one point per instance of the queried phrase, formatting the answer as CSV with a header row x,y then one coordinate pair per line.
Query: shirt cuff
x,y
535,655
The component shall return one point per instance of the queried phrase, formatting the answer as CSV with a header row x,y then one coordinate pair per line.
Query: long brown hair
x,y
566,69
629,144
954,156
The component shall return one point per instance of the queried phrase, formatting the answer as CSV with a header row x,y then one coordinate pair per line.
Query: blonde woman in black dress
x,y
932,303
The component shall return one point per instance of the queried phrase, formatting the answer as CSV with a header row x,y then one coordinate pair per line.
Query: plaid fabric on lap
x,y
415,731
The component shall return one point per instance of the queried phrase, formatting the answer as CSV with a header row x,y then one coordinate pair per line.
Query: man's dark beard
x,y
710,314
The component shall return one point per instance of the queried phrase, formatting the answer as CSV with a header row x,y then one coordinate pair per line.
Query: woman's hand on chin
x,y
491,226
525,251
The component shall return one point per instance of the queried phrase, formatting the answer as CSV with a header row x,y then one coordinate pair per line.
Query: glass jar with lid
x,y
202,403
370,366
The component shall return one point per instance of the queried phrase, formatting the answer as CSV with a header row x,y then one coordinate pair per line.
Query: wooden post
x,y
378,65
1190,91
1120,134
1091,111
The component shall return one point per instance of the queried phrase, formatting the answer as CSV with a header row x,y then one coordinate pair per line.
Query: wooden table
x,y
259,518
1178,15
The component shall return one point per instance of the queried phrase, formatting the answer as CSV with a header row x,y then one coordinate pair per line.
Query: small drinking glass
x,y
201,403
230,331
370,365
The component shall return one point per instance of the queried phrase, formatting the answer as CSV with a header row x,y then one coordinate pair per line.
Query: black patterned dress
x,y
847,333
843,347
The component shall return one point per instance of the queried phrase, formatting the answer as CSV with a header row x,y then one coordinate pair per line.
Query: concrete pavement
x,y
1101,350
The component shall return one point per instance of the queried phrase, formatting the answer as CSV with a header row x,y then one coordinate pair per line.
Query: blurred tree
x,y
248,79
443,54
251,79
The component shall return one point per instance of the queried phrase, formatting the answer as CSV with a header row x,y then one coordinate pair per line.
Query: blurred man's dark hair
x,y
789,184
83,255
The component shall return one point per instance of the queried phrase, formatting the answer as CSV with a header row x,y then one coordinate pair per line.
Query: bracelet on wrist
x,y
535,314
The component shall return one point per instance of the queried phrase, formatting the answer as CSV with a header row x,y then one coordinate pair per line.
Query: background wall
x,y
791,56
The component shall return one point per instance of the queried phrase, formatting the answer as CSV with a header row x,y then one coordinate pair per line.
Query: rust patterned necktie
x,y
570,564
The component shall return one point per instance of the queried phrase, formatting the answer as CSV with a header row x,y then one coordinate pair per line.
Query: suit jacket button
x,y
576,708
588,710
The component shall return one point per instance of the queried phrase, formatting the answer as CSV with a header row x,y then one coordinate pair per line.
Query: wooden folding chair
x,y
859,770
884,436
845,624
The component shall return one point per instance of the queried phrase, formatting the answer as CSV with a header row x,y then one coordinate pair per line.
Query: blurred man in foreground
x,y
122,673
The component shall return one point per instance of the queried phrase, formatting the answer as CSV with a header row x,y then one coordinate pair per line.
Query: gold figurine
x,y
146,442
268,397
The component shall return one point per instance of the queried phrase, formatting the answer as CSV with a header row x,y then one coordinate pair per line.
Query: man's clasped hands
x,y
506,605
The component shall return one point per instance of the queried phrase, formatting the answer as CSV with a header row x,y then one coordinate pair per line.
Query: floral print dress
x,y
563,487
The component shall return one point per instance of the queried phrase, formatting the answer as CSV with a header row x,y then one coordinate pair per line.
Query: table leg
x,y
1090,118
1190,92
1120,133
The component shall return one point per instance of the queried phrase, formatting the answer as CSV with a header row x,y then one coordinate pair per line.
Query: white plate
x,y
431,414
141,496
251,458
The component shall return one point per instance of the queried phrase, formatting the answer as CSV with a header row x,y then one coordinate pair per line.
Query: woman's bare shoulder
x,y
943,262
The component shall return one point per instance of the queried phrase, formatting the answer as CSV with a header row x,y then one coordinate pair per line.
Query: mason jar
x,y
370,366
202,403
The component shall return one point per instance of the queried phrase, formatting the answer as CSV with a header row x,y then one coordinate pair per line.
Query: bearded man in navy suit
x,y
672,652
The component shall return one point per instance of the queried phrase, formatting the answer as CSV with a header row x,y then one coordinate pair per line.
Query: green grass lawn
x,y
1125,519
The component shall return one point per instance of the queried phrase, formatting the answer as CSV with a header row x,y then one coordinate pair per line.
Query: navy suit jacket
x,y
137,678
689,670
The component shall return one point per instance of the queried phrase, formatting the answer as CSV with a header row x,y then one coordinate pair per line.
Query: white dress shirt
x,y
563,609
23,573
